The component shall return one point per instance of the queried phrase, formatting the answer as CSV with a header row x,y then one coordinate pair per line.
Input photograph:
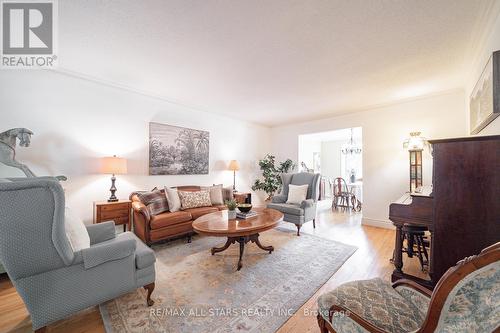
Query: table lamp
x,y
234,166
113,165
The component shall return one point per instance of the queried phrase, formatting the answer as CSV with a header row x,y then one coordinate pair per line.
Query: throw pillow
x,y
174,202
76,232
155,201
194,199
216,197
297,194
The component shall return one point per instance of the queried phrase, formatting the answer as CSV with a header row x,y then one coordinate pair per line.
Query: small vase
x,y
231,214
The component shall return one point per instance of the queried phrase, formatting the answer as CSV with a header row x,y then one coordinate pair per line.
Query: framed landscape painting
x,y
177,150
485,98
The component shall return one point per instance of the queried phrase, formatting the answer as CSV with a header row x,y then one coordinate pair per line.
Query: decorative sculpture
x,y
8,140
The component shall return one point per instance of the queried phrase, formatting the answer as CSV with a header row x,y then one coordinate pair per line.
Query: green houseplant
x,y
231,206
271,181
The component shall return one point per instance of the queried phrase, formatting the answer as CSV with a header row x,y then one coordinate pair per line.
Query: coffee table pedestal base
x,y
242,240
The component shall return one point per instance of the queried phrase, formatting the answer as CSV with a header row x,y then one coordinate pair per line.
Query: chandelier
x,y
351,148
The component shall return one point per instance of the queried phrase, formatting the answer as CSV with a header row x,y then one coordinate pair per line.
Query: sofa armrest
x,y
139,207
101,232
108,251
307,203
280,198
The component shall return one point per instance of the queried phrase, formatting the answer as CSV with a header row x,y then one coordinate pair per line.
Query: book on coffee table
x,y
250,214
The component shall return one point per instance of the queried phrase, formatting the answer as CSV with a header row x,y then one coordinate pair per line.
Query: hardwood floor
x,y
375,247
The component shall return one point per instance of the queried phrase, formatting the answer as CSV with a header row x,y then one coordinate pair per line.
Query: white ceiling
x,y
273,62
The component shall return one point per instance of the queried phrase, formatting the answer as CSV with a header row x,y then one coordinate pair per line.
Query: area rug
x,y
198,292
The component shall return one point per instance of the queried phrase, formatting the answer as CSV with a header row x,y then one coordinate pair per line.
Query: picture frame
x,y
175,150
484,105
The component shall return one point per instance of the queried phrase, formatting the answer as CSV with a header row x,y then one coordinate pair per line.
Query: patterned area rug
x,y
198,292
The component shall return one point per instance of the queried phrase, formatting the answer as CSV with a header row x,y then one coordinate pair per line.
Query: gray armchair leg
x,y
150,287
314,223
41,330
298,229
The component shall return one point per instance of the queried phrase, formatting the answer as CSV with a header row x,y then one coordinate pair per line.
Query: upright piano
x,y
461,209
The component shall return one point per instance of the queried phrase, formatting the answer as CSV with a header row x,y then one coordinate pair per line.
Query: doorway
x,y
334,154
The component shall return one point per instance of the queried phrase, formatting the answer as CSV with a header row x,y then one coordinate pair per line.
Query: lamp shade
x,y
114,165
234,165
415,142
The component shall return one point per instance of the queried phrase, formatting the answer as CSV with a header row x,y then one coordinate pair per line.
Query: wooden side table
x,y
243,197
118,211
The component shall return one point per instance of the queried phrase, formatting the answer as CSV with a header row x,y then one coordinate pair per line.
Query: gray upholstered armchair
x,y
53,281
306,211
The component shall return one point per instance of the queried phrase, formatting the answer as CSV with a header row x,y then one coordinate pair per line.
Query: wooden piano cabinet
x,y
466,178
463,210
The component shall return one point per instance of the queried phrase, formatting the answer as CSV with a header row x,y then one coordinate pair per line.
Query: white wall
x,y
306,149
490,44
385,162
330,159
77,121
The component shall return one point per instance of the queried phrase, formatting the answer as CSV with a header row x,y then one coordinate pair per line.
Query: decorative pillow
x,y
174,202
155,201
194,199
297,194
76,232
215,194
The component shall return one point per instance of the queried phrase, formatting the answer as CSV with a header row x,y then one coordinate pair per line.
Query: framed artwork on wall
x,y
485,98
177,150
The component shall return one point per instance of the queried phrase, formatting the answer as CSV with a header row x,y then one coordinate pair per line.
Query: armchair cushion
x,y
307,203
114,249
287,208
376,302
101,232
280,198
473,304
419,300
76,232
144,256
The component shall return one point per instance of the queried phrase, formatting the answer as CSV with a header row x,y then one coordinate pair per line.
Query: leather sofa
x,y
167,225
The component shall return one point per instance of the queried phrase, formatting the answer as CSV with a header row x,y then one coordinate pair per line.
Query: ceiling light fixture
x,y
351,148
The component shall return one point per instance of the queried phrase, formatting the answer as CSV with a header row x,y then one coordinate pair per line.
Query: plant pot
x,y
231,214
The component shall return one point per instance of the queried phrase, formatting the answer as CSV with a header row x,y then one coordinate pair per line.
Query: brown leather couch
x,y
166,225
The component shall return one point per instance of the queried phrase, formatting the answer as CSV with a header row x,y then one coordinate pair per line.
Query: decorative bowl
x,y
244,208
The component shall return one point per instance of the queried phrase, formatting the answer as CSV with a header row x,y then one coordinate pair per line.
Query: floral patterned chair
x,y
466,299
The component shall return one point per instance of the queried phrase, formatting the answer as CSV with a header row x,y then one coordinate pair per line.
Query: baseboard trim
x,y
378,223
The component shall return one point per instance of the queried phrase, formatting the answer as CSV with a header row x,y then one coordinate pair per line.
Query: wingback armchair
x,y
466,299
53,281
306,211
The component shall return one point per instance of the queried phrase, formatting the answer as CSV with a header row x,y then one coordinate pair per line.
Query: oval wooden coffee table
x,y
238,230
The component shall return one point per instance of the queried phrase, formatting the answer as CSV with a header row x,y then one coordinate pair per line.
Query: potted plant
x,y
272,175
231,206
